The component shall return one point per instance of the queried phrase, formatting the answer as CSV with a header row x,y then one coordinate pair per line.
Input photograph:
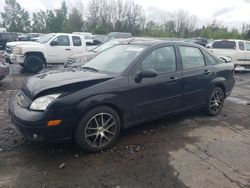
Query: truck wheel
x,y
98,129
33,64
215,102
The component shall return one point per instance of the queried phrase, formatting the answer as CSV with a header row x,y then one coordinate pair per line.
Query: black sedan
x,y
123,86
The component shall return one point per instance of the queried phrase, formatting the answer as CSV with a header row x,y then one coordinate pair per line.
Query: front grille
x,y
23,101
70,60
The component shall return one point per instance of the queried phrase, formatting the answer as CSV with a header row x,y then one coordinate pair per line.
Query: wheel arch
x,y
218,82
110,105
99,100
105,104
39,54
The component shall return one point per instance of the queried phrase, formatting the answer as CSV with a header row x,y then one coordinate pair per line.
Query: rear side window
x,y
77,41
247,46
191,57
224,44
241,46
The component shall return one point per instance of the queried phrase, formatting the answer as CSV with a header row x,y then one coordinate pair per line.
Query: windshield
x,y
105,46
115,60
224,44
46,38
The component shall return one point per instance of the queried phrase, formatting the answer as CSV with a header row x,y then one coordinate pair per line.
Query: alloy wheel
x,y
100,130
216,101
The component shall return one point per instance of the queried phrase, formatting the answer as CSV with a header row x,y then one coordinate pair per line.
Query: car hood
x,y
63,80
82,55
74,61
20,43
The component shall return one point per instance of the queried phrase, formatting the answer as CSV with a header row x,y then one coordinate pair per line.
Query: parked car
x,y
5,38
117,35
35,38
24,37
91,40
52,48
4,70
237,50
28,36
3,30
209,44
80,59
123,86
200,41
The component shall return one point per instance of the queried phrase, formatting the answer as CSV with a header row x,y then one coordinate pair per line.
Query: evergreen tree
x,y
15,18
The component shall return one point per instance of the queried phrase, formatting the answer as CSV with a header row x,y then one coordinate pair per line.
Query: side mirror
x,y
54,43
226,59
148,73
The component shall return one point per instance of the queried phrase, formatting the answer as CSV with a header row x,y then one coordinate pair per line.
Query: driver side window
x,y
162,60
62,40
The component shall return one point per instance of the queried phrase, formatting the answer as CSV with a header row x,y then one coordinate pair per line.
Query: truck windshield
x,y
45,38
224,44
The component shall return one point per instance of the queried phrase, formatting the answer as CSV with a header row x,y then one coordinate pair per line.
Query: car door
x,y
196,76
241,56
247,59
78,46
152,97
60,50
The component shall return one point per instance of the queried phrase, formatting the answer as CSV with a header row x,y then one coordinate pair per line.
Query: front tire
x,y
33,64
98,129
215,101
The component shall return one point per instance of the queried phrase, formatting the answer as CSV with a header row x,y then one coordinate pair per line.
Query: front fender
x,y
33,49
97,100
111,100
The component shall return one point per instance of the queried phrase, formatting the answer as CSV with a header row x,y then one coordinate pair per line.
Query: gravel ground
x,y
186,150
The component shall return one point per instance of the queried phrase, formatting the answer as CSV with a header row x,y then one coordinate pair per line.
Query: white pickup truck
x,y
237,50
51,48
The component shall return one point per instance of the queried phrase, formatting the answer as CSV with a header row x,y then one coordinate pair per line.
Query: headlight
x,y
17,50
42,103
80,59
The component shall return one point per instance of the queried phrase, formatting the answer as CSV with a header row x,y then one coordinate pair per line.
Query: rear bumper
x,y
33,124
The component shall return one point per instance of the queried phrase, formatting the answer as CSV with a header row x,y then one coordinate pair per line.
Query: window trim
x,y
182,67
158,47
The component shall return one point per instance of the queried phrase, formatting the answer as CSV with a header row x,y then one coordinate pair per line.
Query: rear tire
x,y
33,64
215,102
98,129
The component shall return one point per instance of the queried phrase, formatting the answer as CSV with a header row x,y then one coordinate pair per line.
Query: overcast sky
x,y
231,13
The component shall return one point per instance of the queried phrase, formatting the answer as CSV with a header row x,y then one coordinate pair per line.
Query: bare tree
x,y
92,16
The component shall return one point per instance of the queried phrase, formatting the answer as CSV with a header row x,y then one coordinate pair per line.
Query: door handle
x,y
207,71
68,49
173,78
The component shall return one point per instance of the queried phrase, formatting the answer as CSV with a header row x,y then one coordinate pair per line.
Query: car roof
x,y
120,33
162,42
232,40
